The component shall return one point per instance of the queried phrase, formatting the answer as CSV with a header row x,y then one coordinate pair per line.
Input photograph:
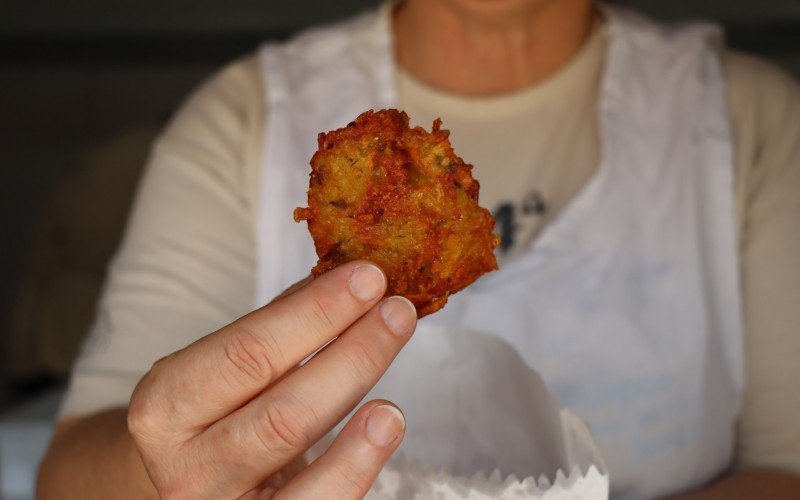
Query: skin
x,y
228,416
488,47
240,433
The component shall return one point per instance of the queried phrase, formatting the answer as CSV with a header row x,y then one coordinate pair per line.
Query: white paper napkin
x,y
481,424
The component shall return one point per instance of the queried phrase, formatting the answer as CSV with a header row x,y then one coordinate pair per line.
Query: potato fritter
x,y
402,198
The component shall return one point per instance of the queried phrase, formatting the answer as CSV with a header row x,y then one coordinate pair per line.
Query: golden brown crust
x,y
403,199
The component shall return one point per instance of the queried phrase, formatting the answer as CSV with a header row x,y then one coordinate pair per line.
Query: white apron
x,y
628,302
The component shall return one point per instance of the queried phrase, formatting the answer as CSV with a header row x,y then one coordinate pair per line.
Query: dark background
x,y
79,75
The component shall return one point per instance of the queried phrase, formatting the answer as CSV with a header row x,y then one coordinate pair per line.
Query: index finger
x,y
220,372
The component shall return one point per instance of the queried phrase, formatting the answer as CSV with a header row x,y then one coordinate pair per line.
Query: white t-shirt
x,y
187,263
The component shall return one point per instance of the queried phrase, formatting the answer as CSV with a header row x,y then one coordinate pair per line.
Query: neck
x,y
488,50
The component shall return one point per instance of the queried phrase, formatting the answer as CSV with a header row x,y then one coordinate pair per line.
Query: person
x,y
645,183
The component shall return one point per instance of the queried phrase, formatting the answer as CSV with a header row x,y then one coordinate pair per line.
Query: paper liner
x,y
399,481
473,406
404,480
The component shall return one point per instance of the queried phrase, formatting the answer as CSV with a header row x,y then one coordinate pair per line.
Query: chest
x,y
530,161
627,301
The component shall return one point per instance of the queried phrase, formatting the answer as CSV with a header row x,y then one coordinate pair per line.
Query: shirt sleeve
x,y
186,264
765,109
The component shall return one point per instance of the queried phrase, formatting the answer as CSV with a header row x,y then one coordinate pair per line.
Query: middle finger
x,y
221,372
283,422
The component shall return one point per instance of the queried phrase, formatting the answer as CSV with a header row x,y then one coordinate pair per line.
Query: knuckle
x,y
363,361
142,420
252,357
149,410
315,316
286,426
351,477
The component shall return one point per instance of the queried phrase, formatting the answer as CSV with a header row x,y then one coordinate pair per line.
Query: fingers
x,y
222,371
293,414
349,467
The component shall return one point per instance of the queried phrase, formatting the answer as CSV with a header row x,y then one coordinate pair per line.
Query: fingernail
x,y
367,282
384,424
399,314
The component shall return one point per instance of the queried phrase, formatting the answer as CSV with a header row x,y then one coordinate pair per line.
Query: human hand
x,y
221,416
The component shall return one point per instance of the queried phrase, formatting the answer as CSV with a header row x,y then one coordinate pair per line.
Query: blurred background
x,y
84,87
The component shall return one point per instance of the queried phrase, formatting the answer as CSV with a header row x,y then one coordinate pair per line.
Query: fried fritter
x,y
402,198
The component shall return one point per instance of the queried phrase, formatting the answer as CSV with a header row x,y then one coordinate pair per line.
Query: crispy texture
x,y
403,199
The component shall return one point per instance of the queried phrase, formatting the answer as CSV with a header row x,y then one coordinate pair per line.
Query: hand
x,y
221,416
